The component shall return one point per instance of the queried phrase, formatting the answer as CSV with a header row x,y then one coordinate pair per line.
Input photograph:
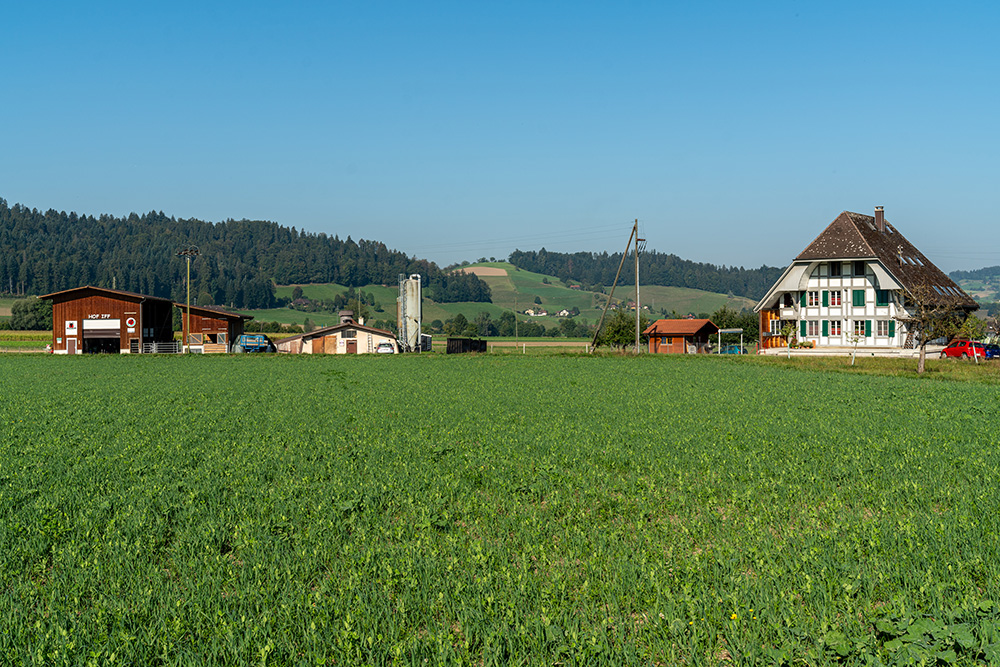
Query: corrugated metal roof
x,y
214,310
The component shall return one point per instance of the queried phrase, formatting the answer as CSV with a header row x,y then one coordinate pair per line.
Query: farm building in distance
x,y
213,329
348,337
688,336
856,280
96,319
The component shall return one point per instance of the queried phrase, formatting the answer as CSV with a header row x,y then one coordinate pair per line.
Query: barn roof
x,y
680,327
317,333
79,292
214,311
896,262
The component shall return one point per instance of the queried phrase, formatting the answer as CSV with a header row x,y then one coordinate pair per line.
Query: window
x,y
775,327
669,340
882,328
813,328
859,328
858,296
881,297
835,269
788,300
859,268
349,333
813,299
834,327
835,298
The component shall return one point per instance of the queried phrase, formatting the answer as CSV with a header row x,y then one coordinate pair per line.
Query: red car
x,y
964,349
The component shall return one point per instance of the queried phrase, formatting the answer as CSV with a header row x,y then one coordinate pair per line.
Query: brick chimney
x,y
880,219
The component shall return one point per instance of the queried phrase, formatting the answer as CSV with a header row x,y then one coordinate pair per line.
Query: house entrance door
x,y
352,346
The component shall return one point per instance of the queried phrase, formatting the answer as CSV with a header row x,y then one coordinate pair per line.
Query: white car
x,y
385,347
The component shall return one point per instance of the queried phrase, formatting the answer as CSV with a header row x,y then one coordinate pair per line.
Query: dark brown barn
x,y
95,319
680,336
213,329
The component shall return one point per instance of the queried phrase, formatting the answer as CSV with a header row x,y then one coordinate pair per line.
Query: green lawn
x,y
509,510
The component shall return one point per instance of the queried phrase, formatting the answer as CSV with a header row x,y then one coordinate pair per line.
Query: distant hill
x,y
655,268
511,289
240,260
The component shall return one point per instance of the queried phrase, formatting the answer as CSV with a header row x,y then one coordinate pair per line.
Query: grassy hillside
x,y
516,288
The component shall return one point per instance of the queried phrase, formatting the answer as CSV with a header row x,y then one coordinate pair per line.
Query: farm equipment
x,y
253,343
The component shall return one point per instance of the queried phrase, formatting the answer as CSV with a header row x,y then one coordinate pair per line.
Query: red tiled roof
x,y
679,327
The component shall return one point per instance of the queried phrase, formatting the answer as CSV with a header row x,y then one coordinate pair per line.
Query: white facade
x,y
834,306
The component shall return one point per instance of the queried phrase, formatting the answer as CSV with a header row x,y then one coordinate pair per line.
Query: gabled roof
x,y
325,331
895,261
679,327
214,311
78,292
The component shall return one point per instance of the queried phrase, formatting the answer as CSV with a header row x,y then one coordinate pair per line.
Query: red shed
x,y
680,336
96,319
213,329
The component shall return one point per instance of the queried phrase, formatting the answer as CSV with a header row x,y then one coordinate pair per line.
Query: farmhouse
x,y
96,319
857,281
348,337
213,329
686,336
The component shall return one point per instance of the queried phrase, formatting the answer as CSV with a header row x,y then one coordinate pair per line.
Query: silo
x,y
409,312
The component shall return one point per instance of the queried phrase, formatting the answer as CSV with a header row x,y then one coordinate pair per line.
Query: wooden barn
x,y
680,336
213,329
348,337
96,319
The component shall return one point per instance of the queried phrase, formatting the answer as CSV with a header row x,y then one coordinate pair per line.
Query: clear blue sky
x,y
733,131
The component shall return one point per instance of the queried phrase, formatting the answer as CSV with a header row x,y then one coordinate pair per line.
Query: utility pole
x,y
597,332
188,253
635,230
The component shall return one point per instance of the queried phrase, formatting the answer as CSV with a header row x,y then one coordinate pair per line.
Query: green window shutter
x,y
826,299
881,297
802,328
826,324
892,328
859,297
803,299
868,328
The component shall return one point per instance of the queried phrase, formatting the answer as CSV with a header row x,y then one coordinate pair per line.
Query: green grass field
x,y
494,510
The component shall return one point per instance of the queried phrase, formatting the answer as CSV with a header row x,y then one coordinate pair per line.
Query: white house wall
x,y
819,281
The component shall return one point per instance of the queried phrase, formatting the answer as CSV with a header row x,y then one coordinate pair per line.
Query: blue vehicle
x,y
732,349
993,351
253,343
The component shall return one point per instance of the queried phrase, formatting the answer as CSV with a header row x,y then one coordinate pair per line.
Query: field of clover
x,y
493,510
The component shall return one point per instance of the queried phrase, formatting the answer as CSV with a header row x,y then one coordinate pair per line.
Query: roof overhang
x,y
885,279
794,279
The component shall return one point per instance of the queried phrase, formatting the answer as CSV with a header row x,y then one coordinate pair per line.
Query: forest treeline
x,y
592,270
239,264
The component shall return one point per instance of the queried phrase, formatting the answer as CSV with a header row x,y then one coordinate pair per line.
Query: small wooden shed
x,y
96,319
213,329
680,336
